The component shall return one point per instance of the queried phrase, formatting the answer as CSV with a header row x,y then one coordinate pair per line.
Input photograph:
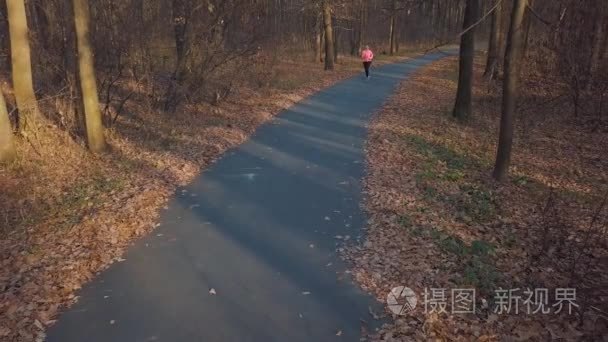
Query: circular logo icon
x,y
401,300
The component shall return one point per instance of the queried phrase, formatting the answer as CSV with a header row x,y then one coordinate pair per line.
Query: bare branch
x,y
539,17
467,29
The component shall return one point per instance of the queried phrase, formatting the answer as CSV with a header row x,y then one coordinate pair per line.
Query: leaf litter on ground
x,y
437,220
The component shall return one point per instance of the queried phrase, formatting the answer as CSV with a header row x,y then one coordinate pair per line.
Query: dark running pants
x,y
366,65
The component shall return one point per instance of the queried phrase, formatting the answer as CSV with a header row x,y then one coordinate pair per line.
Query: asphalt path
x,y
247,252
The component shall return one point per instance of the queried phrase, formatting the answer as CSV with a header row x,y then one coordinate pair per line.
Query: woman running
x,y
367,56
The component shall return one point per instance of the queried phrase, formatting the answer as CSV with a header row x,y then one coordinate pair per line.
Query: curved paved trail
x,y
258,227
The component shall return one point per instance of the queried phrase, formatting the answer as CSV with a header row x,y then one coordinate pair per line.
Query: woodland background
x,y
108,105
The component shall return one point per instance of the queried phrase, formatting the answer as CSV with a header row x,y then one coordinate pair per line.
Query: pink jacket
x,y
367,55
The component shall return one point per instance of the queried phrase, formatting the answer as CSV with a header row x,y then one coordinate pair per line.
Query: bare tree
x,y
337,37
394,8
329,36
318,38
513,59
21,62
494,44
462,107
181,12
362,25
393,27
88,82
599,39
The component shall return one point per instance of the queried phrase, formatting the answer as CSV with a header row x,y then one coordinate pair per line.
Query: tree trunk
x,y
322,45
494,45
598,42
318,30
462,107
88,82
70,68
7,148
354,38
336,45
21,63
513,59
329,36
180,26
445,22
603,48
38,26
362,18
527,24
392,35
393,27
502,32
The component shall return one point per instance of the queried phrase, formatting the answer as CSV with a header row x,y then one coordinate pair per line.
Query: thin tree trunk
x,y
322,46
44,30
75,110
336,45
396,34
88,82
329,44
393,27
180,26
7,147
493,45
354,38
598,41
502,32
392,35
603,48
21,63
318,29
527,24
513,60
362,18
445,22
462,107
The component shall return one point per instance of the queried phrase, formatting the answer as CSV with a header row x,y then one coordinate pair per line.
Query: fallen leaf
x,y
373,314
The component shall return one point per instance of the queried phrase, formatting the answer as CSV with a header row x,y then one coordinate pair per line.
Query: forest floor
x,y
438,223
65,215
